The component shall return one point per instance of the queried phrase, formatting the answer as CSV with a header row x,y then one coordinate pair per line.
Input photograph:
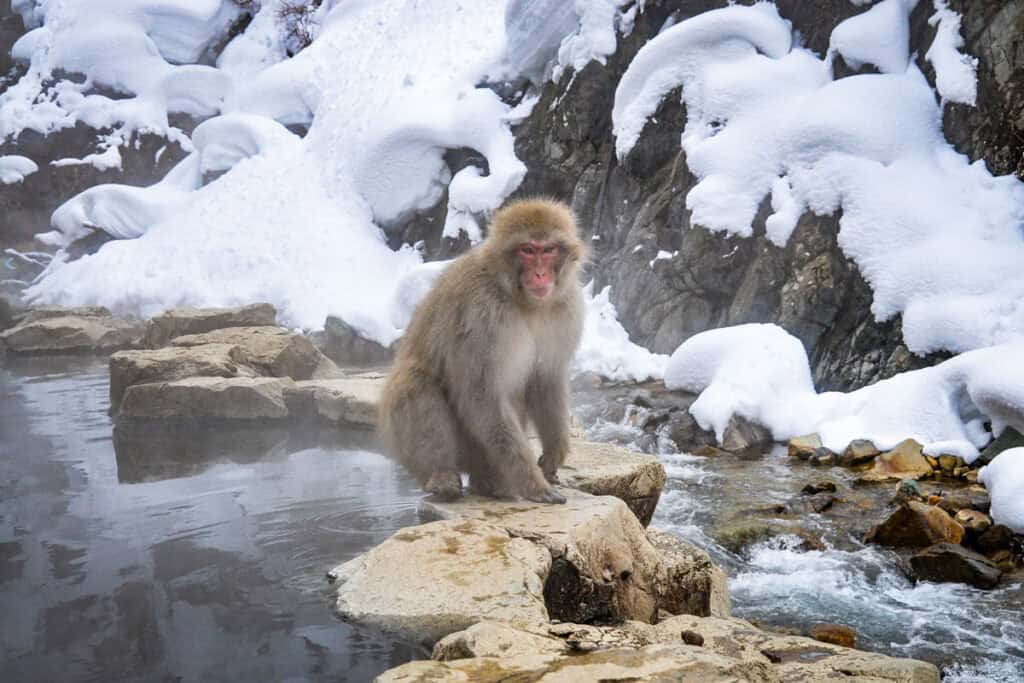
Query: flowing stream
x,y
201,555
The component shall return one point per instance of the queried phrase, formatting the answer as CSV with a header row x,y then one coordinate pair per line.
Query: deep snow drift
x,y
939,239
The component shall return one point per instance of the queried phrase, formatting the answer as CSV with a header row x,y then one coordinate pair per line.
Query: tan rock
x,y
836,634
606,470
973,521
44,312
916,525
761,654
903,462
182,321
272,351
675,662
804,446
858,452
49,332
707,587
168,364
218,398
604,566
352,400
428,581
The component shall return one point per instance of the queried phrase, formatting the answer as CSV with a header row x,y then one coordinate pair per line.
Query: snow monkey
x,y
487,351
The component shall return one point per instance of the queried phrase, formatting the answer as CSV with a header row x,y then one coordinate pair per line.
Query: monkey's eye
x,y
550,250
527,250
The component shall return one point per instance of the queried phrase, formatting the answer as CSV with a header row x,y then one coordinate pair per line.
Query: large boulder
x,y
707,587
209,398
272,351
604,566
182,321
607,470
56,330
946,562
168,364
916,525
428,581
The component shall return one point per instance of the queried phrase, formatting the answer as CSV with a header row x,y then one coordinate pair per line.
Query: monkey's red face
x,y
539,263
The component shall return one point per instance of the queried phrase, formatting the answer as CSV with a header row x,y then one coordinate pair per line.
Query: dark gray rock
x,y
1010,438
742,435
859,452
344,345
946,562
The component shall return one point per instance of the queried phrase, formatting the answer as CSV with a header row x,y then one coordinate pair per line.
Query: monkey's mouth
x,y
539,291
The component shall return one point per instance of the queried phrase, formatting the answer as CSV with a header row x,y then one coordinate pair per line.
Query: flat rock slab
x,y
351,400
48,332
183,321
431,580
604,566
213,398
605,470
761,654
271,351
169,364
675,662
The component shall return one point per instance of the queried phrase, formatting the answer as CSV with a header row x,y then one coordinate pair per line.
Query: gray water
x,y
195,557
200,556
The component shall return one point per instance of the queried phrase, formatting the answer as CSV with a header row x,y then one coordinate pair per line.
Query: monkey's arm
x,y
547,403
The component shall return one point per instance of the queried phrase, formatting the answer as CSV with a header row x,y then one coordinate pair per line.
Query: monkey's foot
x,y
547,496
445,485
552,477
549,466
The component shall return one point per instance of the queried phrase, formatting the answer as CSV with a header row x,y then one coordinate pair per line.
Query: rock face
x,y
56,330
139,367
428,581
750,654
182,321
706,593
916,525
273,351
605,470
946,562
344,345
352,400
213,398
604,567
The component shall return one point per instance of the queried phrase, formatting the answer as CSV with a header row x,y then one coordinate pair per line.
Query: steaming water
x,y
177,557
201,556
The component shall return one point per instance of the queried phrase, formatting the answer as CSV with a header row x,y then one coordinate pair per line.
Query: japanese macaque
x,y
487,353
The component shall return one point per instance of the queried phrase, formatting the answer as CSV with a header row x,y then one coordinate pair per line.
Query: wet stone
x,y
822,457
916,525
836,634
804,446
948,562
905,461
824,486
859,452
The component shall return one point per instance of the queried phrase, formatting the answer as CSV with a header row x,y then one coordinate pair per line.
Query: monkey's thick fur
x,y
481,358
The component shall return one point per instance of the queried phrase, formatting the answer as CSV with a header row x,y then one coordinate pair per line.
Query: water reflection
x,y
142,554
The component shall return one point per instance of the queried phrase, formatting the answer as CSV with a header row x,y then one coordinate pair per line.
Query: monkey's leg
x,y
548,406
424,437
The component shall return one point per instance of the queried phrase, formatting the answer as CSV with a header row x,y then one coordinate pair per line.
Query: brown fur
x,y
481,358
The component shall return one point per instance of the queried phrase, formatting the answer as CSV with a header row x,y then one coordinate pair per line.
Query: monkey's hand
x,y
445,485
547,496
549,466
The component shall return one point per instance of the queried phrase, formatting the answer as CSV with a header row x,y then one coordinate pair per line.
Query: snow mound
x,y
761,372
297,221
1004,479
14,168
938,239
956,74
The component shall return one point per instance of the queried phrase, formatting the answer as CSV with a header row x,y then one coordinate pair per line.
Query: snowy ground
x,y
388,85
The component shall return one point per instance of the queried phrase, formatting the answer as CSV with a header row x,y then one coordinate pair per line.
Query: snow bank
x,y
296,221
14,168
143,52
604,350
956,74
938,239
1004,479
760,372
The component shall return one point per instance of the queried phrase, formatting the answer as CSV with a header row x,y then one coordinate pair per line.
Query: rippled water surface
x,y
197,557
